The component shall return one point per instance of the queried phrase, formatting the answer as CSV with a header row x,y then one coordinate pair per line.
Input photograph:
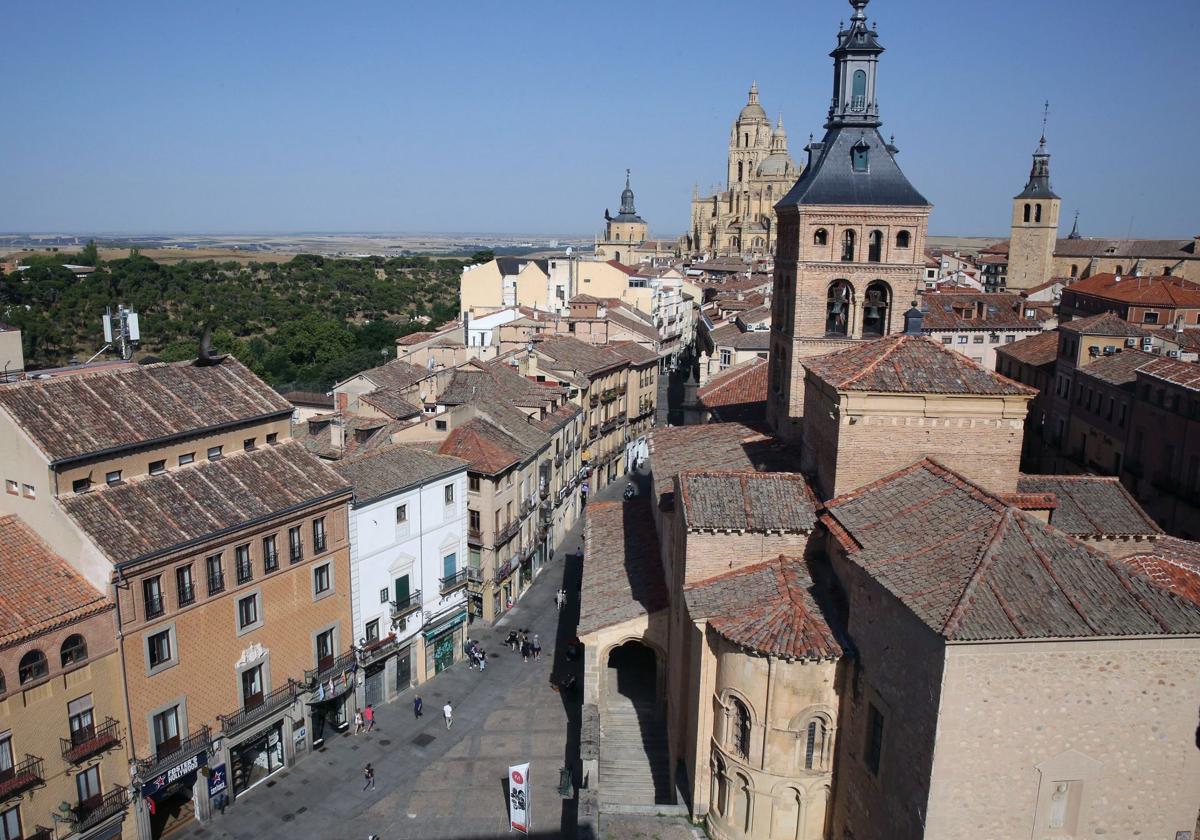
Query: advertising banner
x,y
518,798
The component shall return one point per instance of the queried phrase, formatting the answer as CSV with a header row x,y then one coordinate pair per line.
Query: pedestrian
x,y
369,776
526,649
369,717
418,706
537,649
562,598
358,722
483,660
448,713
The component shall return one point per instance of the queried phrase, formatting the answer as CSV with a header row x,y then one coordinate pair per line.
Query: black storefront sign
x,y
185,771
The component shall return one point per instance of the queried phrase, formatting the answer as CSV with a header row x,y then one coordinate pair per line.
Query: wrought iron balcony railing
x,y
455,581
21,777
408,606
90,741
247,715
93,812
201,739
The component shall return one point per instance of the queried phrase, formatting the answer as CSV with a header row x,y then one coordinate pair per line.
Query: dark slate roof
x,y
394,468
830,179
907,364
1184,374
1106,323
1118,369
158,513
752,340
41,591
76,416
770,609
622,575
1037,350
746,501
1172,564
1171,249
975,569
313,398
513,265
1091,505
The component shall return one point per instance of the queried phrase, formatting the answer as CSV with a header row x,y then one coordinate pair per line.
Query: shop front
x,y
258,757
330,707
444,642
170,790
258,738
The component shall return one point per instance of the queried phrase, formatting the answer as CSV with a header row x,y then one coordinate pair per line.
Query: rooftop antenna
x,y
122,329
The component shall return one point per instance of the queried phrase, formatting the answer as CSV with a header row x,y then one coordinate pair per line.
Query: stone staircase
x,y
635,765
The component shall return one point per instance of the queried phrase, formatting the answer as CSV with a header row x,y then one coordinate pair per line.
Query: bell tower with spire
x,y
1034,223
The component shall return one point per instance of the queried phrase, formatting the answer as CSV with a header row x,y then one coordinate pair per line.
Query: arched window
x,y
1074,270
1028,210
739,734
720,786
745,798
848,246
821,237
2,688
1037,212
746,139
74,650
875,246
816,738
617,256
877,307
858,93
902,239
33,667
837,308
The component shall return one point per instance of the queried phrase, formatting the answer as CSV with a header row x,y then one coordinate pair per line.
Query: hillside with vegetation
x,y
312,320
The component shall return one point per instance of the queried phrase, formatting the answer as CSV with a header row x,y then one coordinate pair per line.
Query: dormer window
x,y
859,156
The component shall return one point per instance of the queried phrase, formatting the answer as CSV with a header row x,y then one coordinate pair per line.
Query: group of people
x,y
520,640
477,655
364,721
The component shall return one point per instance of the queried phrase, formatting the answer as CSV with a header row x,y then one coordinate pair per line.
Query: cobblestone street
x,y
434,783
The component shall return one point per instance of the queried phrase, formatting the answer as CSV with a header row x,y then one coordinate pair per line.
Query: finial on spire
x,y
754,91
860,13
1075,228
626,179
1045,118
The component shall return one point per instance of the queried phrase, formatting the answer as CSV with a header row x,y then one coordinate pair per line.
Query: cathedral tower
x,y
850,253
1034,226
749,141
625,234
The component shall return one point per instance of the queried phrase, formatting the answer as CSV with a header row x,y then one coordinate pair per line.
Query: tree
x,y
483,256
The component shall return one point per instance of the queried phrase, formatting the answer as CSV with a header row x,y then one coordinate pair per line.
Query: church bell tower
x,y
1034,225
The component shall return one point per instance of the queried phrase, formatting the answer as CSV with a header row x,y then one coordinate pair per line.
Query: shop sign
x,y
218,780
518,798
164,780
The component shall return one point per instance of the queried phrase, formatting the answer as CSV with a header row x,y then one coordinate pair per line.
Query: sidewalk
x,y
434,783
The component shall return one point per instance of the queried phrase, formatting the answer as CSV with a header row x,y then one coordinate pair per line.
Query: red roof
x,y
1173,564
1185,374
1144,291
1037,350
482,445
739,385
623,267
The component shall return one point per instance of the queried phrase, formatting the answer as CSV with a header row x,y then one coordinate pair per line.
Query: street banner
x,y
518,798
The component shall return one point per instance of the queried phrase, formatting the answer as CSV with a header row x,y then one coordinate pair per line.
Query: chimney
x,y
337,434
913,319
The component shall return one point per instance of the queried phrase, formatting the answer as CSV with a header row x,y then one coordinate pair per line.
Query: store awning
x,y
441,627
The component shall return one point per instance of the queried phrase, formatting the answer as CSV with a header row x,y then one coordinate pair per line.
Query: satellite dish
x,y
570,250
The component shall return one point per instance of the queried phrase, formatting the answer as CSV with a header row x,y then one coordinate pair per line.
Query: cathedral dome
x,y
776,165
752,111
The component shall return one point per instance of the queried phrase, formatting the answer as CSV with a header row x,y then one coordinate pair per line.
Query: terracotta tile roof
x,y
746,501
1106,323
975,569
906,364
1144,291
725,447
40,592
1184,374
1173,564
980,311
624,268
1091,505
1188,339
313,398
75,416
559,417
739,393
394,468
414,338
571,354
622,574
486,447
1037,350
155,514
634,353
391,403
1119,368
361,434
770,609
752,340
395,374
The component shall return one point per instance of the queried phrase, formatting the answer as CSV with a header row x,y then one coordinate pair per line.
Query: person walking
x,y
537,649
482,660
369,777
448,713
369,717
526,649
358,723
418,706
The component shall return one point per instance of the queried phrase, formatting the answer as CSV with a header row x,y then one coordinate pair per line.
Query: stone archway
x,y
634,764
631,674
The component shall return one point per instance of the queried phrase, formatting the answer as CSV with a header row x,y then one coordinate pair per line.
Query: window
x,y
874,751
73,650
962,339
187,458
158,467
248,445
860,157
977,339
81,485
1150,318
441,425
858,91
252,686
152,596
903,238
80,719
450,565
166,731
3,687
740,734
1037,212
994,338
875,246
160,649
245,568
216,575
247,611
270,554
837,307
816,736
185,589
272,438
473,483
726,357
6,755
848,246
383,595
448,494
112,477
33,667
821,237
87,785
1028,212
322,582
401,514
214,452
11,487
10,822
318,529
295,545
473,520
947,339
373,629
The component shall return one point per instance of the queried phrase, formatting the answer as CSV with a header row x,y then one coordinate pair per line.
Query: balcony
x,y
474,575
594,400
270,561
88,815
248,715
187,594
91,741
333,668
21,777
379,649
508,532
408,606
148,768
503,571
154,606
593,431
608,425
475,536
216,583
609,396
527,506
455,581
558,459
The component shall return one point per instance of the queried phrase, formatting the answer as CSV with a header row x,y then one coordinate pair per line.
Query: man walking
x,y
369,775
369,717
418,705
448,713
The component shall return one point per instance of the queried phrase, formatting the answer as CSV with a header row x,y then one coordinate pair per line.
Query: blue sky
x,y
480,116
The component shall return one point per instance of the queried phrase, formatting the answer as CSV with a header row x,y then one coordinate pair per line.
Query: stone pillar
x,y
390,668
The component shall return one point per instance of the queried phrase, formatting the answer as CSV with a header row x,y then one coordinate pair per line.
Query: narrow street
x,y
434,783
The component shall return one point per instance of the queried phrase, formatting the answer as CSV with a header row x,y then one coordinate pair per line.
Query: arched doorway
x,y
635,761
633,674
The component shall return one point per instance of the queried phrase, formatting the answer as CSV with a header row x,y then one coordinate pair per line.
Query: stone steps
x,y
634,767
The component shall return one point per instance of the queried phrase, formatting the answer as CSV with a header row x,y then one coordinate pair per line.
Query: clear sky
x,y
290,115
